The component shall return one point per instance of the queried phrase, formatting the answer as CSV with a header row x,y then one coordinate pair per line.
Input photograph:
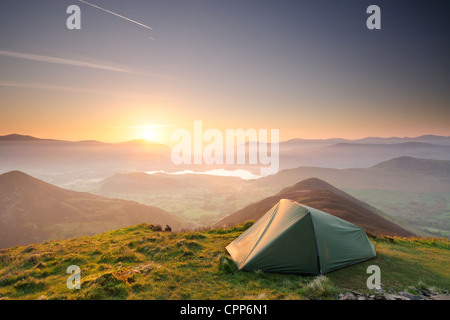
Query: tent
x,y
294,238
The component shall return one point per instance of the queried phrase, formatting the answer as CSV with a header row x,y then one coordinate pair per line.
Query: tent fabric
x,y
294,238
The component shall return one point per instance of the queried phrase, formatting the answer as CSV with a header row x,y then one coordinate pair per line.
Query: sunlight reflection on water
x,y
243,174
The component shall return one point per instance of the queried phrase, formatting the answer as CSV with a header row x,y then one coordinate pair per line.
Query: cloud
x,y
42,86
117,15
26,85
69,62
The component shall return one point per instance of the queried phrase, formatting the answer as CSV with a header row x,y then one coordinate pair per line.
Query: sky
x,y
141,69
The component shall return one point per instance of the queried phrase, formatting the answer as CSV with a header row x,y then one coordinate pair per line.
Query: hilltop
x,y
140,263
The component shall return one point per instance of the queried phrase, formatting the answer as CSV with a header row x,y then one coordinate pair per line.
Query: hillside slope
x,y
32,210
138,263
323,196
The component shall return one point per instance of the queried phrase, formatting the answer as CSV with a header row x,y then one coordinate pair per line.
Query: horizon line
x,y
155,142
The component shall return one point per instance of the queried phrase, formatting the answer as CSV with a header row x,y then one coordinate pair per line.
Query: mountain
x,y
357,155
402,173
63,162
32,211
424,167
342,153
67,163
323,196
433,139
417,191
17,137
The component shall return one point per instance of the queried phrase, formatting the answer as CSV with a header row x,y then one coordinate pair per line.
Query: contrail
x,y
118,15
35,57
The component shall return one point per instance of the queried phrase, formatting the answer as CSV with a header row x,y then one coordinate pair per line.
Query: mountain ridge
x,y
367,140
32,210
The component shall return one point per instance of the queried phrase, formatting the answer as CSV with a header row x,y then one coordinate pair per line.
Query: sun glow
x,y
149,135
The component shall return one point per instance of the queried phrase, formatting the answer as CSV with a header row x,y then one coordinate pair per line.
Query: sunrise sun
x,y
149,135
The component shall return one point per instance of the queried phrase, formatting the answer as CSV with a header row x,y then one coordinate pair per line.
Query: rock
x,y
433,293
407,295
389,296
440,297
348,296
395,297
402,295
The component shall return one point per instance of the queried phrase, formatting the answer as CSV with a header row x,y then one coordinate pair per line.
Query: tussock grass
x,y
319,287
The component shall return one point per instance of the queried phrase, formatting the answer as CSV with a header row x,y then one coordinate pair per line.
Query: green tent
x,y
294,238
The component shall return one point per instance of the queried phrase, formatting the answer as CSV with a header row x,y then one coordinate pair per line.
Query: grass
x,y
140,263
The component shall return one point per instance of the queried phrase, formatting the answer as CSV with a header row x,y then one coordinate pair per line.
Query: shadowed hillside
x,y
32,210
323,196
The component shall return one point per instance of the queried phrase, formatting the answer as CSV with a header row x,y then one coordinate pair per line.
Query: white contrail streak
x,y
35,57
41,86
117,15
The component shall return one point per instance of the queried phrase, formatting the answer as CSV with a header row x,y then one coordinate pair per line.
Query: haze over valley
x,y
410,192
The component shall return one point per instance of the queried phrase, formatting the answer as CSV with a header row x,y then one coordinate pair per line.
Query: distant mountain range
x,y
47,158
433,139
323,196
27,138
61,162
388,173
357,155
32,211
402,173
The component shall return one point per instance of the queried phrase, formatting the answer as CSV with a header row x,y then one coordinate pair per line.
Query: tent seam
x,y
315,241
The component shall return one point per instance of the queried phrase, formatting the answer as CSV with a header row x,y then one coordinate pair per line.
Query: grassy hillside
x,y
429,212
141,263
32,210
